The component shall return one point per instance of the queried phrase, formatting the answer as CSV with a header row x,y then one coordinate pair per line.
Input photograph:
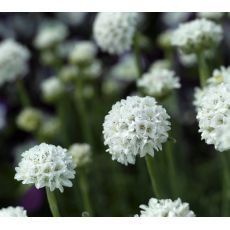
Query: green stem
x,y
85,192
83,113
23,96
225,184
137,54
203,69
171,167
52,203
151,171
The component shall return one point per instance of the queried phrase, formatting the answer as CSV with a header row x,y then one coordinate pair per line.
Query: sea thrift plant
x,y
114,32
13,212
46,165
135,126
166,208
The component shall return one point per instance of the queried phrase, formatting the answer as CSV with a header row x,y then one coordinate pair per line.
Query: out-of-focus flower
x,y
158,83
46,166
110,87
160,64
173,19
69,73
13,61
50,34
72,18
29,119
114,32
166,208
13,212
213,112
125,69
52,88
197,36
84,52
134,127
81,154
220,75
164,39
211,15
49,128
88,92
93,70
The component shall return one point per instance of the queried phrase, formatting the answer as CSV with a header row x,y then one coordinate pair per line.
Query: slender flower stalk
x,y
151,171
85,191
23,95
137,54
203,69
82,111
52,203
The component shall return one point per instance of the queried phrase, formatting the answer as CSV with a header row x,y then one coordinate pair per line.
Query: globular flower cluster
x,y
136,126
166,208
114,32
81,154
29,119
158,82
83,52
13,212
50,34
13,61
46,165
213,112
52,88
197,36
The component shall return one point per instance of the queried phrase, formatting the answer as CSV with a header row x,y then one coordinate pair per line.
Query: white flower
x,y
125,69
93,70
213,112
158,82
81,154
13,212
13,61
50,34
160,64
220,75
166,208
211,15
83,52
46,165
172,19
114,32
29,119
134,127
72,18
52,88
197,36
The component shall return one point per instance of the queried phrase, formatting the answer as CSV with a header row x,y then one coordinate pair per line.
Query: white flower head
x,y
46,165
52,88
224,136
81,154
13,61
220,75
211,15
197,36
50,34
93,70
136,126
213,112
29,119
166,208
114,32
83,52
160,64
13,212
159,82
125,69
72,18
